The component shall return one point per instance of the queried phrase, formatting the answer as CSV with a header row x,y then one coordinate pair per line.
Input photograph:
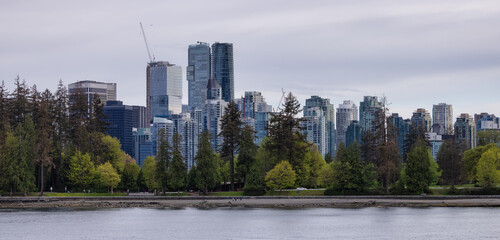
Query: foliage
x,y
231,135
308,171
326,175
129,176
108,176
191,179
149,170
449,159
434,170
471,158
81,170
163,158
111,152
418,169
488,136
254,185
281,176
488,168
206,164
328,158
348,169
178,173
246,155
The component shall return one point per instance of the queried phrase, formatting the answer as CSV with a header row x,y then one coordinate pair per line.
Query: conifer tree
x,y
19,106
246,155
178,172
163,158
418,168
231,135
43,147
206,164
449,159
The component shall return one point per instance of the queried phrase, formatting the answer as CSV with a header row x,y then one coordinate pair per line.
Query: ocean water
x,y
251,223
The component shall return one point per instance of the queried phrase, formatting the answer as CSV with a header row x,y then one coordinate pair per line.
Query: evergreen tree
x,y
4,114
163,158
141,181
79,121
44,147
246,155
206,164
10,177
192,178
231,135
254,186
328,158
285,140
449,159
178,173
129,177
19,106
418,168
26,134
60,138
348,169
97,121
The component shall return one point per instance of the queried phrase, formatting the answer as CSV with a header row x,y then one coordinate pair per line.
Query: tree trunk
x,y
41,180
111,189
232,171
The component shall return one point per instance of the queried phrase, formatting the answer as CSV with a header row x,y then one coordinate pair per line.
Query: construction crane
x,y
151,59
283,96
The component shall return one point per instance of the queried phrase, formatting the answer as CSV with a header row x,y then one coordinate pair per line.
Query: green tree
x,y
149,170
163,158
246,155
254,185
178,173
81,170
192,178
61,136
387,155
79,121
285,140
129,177
26,134
19,105
108,176
486,137
488,168
328,158
206,163
10,177
231,135
471,158
418,169
43,146
348,169
4,114
110,151
449,159
97,121
308,171
281,176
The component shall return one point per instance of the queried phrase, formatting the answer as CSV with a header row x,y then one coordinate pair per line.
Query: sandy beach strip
x,y
252,202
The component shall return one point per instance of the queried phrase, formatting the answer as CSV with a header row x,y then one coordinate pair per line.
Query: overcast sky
x,y
416,53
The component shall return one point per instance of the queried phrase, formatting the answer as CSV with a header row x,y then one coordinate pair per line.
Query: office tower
x,y
326,110
436,142
143,144
402,128
187,128
163,89
465,131
346,112
213,112
261,124
161,123
422,118
105,91
198,72
223,68
122,119
314,128
367,112
353,133
442,119
485,121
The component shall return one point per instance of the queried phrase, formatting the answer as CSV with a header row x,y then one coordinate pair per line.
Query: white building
x,y
442,118
346,113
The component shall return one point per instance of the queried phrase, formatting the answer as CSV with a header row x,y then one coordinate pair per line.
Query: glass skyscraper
x,y
164,89
198,72
223,68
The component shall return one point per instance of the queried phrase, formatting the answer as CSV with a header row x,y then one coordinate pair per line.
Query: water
x,y
242,223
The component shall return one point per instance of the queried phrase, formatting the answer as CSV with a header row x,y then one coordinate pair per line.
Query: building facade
x,y
368,109
163,89
465,131
213,112
143,144
223,68
198,72
326,110
422,118
105,91
346,113
314,128
353,133
442,119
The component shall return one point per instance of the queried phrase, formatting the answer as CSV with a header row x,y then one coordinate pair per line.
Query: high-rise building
x,y
326,110
353,133
163,89
346,112
122,119
367,112
251,103
187,128
213,112
314,128
442,118
402,128
485,121
422,118
465,131
105,91
161,123
223,68
143,144
436,142
198,72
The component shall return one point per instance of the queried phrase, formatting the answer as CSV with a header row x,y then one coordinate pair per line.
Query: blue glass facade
x,y
198,72
223,68
164,89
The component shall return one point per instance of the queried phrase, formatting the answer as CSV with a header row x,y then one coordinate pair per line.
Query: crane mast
x,y
151,59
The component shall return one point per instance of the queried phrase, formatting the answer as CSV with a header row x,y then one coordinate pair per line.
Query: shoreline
x,y
250,202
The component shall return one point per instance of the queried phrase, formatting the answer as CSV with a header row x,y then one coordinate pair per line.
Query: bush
x,y
254,190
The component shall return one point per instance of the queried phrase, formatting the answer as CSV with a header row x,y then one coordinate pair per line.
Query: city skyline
x,y
416,54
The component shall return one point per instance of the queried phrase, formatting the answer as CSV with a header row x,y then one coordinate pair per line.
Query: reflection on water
x,y
251,223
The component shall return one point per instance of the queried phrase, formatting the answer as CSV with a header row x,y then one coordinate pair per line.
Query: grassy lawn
x,y
272,193
226,194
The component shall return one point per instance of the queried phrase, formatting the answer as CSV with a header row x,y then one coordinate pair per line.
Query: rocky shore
x,y
253,202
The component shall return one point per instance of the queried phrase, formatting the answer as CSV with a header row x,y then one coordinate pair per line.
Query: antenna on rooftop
x,y
147,45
